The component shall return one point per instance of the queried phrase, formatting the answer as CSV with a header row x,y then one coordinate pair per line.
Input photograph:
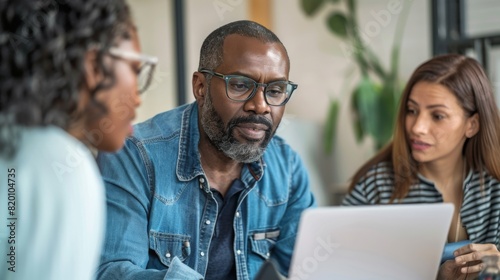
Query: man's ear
x,y
472,126
199,87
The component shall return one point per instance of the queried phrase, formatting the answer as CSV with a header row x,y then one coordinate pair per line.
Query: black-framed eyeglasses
x,y
146,70
241,88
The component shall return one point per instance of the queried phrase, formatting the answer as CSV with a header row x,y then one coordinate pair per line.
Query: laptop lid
x,y
371,242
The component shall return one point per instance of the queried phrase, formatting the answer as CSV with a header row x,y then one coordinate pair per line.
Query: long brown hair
x,y
466,79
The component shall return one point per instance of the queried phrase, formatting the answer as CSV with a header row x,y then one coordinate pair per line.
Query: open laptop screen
x,y
371,242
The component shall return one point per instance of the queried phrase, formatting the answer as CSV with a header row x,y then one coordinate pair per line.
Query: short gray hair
x,y
211,49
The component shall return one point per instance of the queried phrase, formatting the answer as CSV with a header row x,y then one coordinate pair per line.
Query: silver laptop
x,y
371,242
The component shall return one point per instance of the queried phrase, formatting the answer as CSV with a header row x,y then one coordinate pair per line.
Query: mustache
x,y
250,119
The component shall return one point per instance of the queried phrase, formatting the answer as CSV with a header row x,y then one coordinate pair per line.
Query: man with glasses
x,y
206,191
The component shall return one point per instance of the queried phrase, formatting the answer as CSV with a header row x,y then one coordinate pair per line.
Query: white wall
x,y
156,33
203,17
318,65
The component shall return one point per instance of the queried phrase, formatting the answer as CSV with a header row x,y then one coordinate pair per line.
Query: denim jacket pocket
x,y
263,241
167,246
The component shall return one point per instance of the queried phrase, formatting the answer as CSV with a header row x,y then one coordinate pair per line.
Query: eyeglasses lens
x,y
145,77
240,88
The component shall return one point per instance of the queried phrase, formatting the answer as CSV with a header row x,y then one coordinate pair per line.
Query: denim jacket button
x,y
167,255
238,252
202,180
202,254
207,222
238,214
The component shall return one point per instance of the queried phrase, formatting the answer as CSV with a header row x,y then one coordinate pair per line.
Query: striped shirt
x,y
480,210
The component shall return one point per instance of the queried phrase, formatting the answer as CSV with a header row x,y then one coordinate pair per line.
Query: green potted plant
x,y
376,95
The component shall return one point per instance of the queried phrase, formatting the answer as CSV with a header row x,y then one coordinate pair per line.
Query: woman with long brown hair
x,y
446,148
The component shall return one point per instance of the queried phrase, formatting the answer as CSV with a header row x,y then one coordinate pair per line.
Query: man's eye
x,y
274,92
241,87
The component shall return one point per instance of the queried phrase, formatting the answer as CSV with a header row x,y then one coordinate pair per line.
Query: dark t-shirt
x,y
221,264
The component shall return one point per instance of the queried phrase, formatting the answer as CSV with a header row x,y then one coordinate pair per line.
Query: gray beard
x,y
223,139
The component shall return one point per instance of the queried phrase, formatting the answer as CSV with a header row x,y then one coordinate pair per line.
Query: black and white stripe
x,y
480,211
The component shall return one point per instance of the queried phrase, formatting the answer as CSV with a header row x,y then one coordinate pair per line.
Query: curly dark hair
x,y
43,44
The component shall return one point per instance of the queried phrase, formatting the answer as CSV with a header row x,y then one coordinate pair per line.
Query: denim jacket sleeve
x,y
300,199
126,247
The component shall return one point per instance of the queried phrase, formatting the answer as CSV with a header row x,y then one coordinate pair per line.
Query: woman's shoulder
x,y
383,168
50,154
483,177
379,174
374,185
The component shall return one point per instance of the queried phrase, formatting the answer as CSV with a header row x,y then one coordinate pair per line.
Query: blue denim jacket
x,y
161,211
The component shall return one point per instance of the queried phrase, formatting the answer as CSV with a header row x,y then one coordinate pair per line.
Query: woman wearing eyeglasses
x,y
68,83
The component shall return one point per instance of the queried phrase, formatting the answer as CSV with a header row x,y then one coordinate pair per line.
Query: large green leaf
x,y
386,115
331,126
366,106
310,7
375,109
337,23
358,127
388,103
